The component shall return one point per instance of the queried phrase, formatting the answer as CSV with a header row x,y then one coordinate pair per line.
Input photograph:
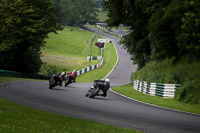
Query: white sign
x,y
104,40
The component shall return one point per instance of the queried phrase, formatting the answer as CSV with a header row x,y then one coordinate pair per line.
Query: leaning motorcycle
x,y
69,79
93,91
53,81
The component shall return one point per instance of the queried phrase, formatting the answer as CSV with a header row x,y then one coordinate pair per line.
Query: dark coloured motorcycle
x,y
93,91
54,81
99,85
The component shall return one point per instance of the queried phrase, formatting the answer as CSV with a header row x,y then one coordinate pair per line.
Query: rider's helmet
x,y
74,72
63,74
107,80
92,87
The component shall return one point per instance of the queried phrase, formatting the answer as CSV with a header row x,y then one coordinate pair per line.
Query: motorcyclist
x,y
104,85
73,75
61,77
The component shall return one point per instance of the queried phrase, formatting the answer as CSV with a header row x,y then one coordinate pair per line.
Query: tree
x,y
189,35
24,25
164,29
74,12
66,12
132,13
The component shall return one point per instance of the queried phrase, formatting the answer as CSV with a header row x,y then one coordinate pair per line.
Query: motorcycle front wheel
x,y
67,82
94,92
52,83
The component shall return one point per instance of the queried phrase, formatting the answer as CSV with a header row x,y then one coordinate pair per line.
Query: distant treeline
x,y
75,12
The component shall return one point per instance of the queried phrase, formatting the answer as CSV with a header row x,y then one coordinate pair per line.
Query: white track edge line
x,y
153,104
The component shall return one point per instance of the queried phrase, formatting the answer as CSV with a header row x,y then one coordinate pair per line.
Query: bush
x,y
48,70
185,71
189,92
156,71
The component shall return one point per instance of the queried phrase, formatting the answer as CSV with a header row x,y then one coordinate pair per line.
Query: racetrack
x,y
114,109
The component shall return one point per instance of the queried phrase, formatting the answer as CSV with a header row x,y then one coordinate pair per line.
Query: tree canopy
x,y
160,29
74,12
24,25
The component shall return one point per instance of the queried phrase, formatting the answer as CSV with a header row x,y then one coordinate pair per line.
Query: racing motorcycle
x,y
98,85
69,79
93,91
54,81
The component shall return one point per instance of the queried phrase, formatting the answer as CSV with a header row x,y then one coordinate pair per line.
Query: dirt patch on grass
x,y
66,60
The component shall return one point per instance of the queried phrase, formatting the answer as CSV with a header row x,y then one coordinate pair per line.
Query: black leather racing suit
x,y
104,86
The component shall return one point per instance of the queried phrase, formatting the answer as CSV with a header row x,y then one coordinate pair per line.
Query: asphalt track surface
x,y
113,109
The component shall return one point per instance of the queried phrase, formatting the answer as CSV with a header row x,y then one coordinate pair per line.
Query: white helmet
x,y
107,80
92,87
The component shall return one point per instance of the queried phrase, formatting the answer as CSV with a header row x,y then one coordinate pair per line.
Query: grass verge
x,y
8,79
128,90
18,118
110,58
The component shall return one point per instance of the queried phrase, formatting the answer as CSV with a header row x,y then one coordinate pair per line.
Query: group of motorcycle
x,y
57,79
97,87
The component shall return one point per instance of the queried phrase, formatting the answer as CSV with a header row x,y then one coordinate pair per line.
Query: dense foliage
x,y
48,69
24,25
185,71
75,12
164,41
160,29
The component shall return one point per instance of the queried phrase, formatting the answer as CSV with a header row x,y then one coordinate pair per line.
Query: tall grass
x,y
185,71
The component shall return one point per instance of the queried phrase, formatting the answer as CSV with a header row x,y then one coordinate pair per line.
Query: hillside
x,y
68,49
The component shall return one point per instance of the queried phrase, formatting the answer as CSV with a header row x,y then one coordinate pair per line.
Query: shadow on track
x,y
100,98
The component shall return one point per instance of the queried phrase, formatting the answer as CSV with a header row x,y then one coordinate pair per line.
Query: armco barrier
x,y
106,30
7,73
94,58
156,89
90,68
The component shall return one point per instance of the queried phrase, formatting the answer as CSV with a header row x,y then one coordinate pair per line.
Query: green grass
x,y
110,58
54,53
18,118
128,90
68,42
102,16
68,49
8,79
